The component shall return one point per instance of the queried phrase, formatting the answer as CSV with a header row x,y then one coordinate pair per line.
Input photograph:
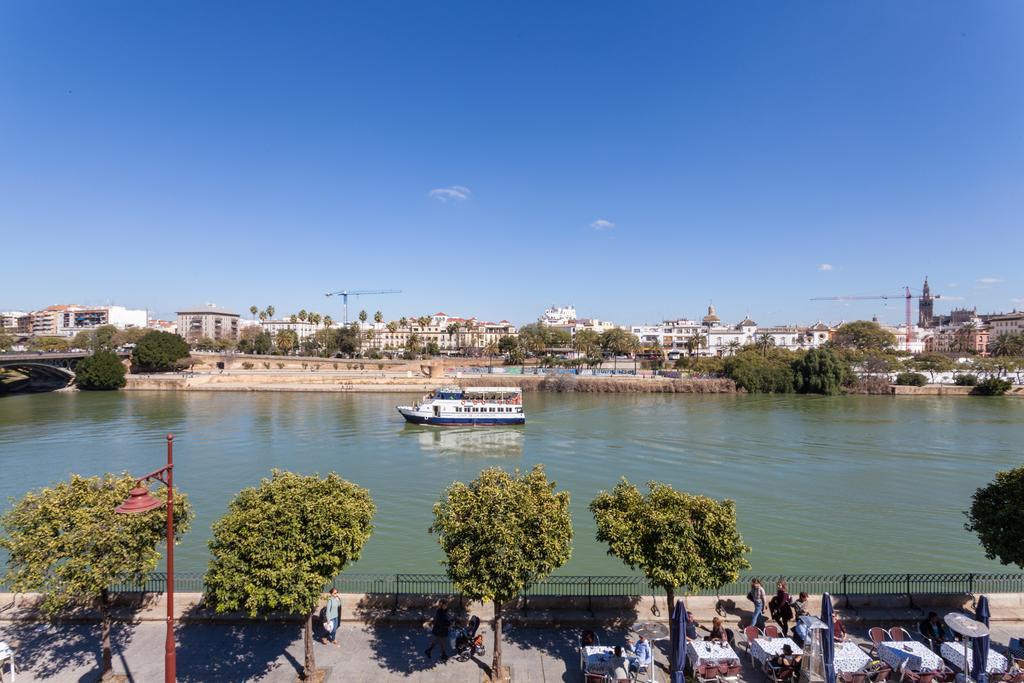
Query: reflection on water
x,y
483,441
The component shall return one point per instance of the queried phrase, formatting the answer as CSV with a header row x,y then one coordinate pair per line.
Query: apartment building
x,y
208,321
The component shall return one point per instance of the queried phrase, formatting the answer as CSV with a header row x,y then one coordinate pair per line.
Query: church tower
x,y
925,306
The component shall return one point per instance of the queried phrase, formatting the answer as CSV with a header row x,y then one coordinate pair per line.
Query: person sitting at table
x,y
838,630
717,631
618,665
786,661
800,632
934,631
801,606
691,626
642,651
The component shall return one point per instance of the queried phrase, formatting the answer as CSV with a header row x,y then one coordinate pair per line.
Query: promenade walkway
x,y
272,653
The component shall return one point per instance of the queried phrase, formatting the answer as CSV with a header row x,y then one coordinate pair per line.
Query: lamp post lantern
x,y
139,501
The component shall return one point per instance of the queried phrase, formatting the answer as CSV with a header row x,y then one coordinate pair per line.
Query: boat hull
x,y
417,418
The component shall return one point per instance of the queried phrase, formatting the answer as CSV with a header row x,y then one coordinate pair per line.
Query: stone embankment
x,y
357,382
611,611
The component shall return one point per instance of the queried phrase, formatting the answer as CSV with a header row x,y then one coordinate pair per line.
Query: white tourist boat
x,y
469,406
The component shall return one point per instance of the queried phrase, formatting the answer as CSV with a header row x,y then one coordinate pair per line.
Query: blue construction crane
x,y
346,293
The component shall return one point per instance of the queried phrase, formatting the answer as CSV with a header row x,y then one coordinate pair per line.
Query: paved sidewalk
x,y
272,652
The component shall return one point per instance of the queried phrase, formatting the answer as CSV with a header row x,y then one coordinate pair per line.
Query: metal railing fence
x,y
633,585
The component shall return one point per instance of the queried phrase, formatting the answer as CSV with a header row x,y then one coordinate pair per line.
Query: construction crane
x,y
346,293
906,295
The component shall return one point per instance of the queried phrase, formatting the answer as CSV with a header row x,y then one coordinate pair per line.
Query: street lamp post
x,y
139,501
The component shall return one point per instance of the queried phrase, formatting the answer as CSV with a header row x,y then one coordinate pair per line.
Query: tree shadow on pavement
x,y
47,649
398,647
210,652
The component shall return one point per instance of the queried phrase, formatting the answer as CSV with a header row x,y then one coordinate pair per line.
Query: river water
x,y
822,485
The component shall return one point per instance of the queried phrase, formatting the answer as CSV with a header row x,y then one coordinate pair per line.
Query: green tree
x,y
104,340
48,344
303,315
158,351
129,335
378,317
281,542
586,343
932,363
85,340
68,543
286,341
101,371
328,321
500,534
392,327
993,386
864,335
820,371
271,311
363,317
1007,344
432,348
760,374
764,343
676,539
995,517
6,341
619,342
254,310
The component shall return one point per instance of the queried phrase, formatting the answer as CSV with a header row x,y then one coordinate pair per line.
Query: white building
x,y
557,316
210,321
452,334
303,329
710,337
1007,323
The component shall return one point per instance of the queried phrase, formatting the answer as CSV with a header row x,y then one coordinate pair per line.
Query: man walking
x,y
332,616
439,631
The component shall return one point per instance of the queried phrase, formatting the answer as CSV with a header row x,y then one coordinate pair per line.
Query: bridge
x,y
56,370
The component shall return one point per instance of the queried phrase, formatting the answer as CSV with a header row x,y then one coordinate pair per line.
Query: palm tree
x,y
303,315
271,311
423,321
378,317
586,342
263,316
362,316
452,330
315,319
254,310
764,342
491,350
328,321
695,342
392,327
733,347
293,318
964,336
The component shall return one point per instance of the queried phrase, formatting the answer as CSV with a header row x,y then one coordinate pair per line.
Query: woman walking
x,y
782,611
758,597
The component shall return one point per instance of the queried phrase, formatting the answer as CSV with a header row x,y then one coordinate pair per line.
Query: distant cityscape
x,y
961,330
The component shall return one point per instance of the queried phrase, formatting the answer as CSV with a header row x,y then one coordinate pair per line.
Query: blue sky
x,y
637,160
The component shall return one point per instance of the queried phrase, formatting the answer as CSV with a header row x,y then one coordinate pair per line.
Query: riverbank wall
x,y
613,611
327,382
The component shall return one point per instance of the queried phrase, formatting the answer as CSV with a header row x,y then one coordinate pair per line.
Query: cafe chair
x,y
772,631
878,635
900,634
706,673
751,633
729,672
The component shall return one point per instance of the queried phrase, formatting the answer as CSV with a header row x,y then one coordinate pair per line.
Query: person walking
x,y
782,607
439,631
758,597
332,617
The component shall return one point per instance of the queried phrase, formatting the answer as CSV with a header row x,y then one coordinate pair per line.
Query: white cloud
x,y
825,266
987,282
602,224
455,193
947,297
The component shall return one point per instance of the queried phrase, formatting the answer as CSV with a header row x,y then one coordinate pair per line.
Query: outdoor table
x,y
710,652
849,658
915,654
7,655
597,659
763,649
954,654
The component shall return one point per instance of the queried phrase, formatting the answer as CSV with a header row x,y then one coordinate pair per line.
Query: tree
x,y
617,342
392,327
101,371
733,347
363,316
85,340
271,311
452,331
286,341
158,351
68,543
864,335
932,363
1007,344
586,343
764,342
964,337
48,344
760,374
303,315
6,341
695,342
328,321
254,310
995,517
993,386
378,317
820,371
129,335
500,534
676,539
281,542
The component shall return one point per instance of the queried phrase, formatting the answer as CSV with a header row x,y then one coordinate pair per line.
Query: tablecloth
x,y
849,658
917,655
954,654
763,649
597,658
709,652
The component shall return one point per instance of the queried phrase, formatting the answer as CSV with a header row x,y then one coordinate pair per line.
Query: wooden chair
x,y
595,678
772,631
853,677
882,675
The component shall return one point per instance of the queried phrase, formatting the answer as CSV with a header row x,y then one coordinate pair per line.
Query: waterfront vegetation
x,y
102,371
500,534
281,542
995,517
68,543
159,351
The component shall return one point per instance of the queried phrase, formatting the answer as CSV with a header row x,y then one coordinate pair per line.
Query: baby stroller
x,y
468,642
